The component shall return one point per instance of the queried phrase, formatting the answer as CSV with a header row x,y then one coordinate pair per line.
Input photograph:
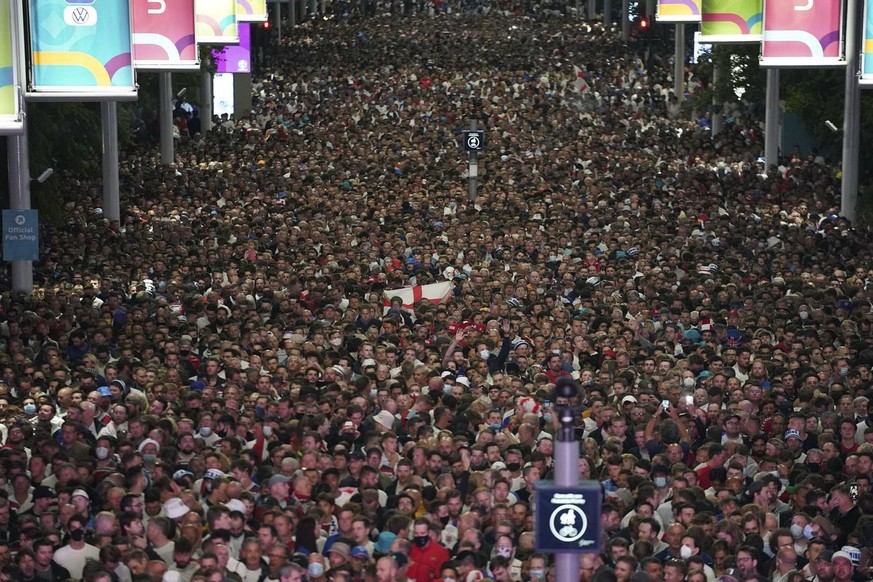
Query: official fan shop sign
x,y
20,235
567,519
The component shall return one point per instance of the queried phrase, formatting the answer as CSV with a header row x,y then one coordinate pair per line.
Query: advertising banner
x,y
80,49
731,21
10,71
867,47
251,10
236,58
802,33
163,35
678,11
216,22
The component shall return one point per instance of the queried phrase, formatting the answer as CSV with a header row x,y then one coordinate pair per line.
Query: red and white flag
x,y
435,293
580,85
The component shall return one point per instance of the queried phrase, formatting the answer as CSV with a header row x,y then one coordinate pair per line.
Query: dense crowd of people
x,y
228,385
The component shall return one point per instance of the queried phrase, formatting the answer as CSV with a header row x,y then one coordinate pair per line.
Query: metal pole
x,y
592,9
679,62
771,120
578,8
313,8
206,106
851,117
625,20
292,18
18,160
474,167
566,475
717,114
165,96
650,8
109,121
607,12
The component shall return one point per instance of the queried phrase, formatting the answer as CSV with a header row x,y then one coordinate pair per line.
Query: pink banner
x,y
163,35
802,33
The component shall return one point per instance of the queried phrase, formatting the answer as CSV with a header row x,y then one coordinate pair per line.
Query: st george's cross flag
x,y
435,293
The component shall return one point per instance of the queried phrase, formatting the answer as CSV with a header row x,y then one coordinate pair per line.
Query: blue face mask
x,y
30,409
149,458
660,482
315,570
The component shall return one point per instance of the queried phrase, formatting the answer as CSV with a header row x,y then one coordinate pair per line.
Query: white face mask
x,y
685,552
688,382
336,342
796,530
268,431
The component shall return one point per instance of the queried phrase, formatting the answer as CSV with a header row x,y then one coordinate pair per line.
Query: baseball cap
x,y
628,398
360,552
841,554
792,433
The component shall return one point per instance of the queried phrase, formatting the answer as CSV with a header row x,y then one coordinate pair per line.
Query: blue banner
x,y
20,235
80,48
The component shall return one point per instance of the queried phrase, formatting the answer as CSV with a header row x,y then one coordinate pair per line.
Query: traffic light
x,y
267,25
643,24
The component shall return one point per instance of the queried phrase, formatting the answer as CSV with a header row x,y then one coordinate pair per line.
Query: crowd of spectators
x,y
216,389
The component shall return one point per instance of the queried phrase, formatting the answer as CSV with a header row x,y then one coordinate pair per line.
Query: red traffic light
x,y
267,24
643,24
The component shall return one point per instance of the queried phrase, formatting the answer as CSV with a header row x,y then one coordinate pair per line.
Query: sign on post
x,y
567,519
164,35
20,235
474,140
80,51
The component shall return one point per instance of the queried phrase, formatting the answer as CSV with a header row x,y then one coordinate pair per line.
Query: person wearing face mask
x,y
316,568
149,450
427,555
505,548
691,547
74,555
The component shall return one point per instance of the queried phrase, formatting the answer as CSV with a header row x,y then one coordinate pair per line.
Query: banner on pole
x,y
20,235
731,21
11,120
802,33
236,58
216,22
866,79
678,11
251,10
163,35
80,50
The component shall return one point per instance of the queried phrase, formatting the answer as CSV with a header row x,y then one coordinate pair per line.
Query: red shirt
x,y
426,562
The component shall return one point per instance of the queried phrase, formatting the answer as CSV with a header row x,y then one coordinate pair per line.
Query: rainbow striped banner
x,y
731,21
251,10
11,121
805,33
216,22
80,50
163,36
678,11
866,79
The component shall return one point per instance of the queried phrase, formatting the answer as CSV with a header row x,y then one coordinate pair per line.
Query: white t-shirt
x,y
74,560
